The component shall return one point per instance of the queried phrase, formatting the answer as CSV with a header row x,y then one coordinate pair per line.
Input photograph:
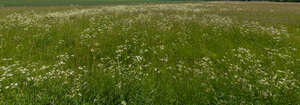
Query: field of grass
x,y
74,2
199,53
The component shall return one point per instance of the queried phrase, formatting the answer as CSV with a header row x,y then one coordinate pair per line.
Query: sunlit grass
x,y
151,54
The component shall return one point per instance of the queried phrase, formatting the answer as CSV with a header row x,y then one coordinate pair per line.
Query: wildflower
x,y
123,102
138,58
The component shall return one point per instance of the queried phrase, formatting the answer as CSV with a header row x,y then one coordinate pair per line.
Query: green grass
x,y
151,54
77,2
57,2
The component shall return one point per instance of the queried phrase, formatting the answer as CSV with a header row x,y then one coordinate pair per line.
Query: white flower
x,y
92,50
138,58
123,103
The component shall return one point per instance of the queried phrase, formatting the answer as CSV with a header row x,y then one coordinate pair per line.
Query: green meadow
x,y
75,2
187,53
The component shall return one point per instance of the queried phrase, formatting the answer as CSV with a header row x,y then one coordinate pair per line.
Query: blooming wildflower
x,y
123,102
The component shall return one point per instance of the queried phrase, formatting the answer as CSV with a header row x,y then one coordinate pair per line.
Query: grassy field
x,y
74,2
197,53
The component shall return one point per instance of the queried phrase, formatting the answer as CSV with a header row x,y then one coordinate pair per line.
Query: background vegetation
x,y
106,2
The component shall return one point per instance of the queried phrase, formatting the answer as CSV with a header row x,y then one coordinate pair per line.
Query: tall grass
x,y
78,2
146,54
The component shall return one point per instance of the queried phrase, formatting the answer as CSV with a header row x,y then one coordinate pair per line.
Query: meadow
x,y
189,53
74,2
